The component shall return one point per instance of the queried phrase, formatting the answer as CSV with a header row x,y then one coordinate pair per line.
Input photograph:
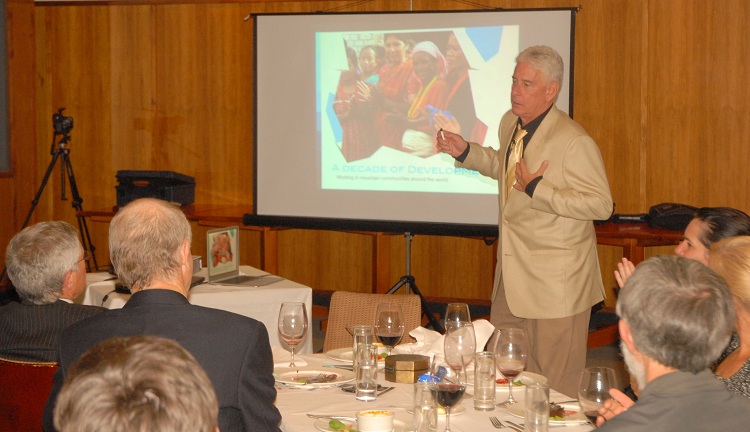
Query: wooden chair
x,y
24,389
350,308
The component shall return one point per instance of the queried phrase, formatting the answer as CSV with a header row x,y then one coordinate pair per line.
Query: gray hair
x,y
145,238
546,60
680,312
137,383
39,257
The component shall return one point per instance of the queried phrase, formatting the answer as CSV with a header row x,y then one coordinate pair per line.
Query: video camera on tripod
x,y
62,124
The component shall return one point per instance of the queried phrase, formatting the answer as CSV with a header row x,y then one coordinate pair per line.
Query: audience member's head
x,y
731,259
149,241
45,262
675,312
709,225
137,383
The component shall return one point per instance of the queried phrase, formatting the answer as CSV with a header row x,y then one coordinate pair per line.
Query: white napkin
x,y
429,342
282,357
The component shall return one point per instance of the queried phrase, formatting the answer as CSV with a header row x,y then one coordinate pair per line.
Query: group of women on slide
x,y
400,94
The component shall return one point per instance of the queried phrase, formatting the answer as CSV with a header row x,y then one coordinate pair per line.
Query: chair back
x,y
24,389
350,308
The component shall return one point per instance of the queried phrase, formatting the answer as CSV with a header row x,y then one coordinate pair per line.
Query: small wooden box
x,y
405,368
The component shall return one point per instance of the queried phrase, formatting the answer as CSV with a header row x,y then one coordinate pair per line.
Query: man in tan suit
x,y
547,276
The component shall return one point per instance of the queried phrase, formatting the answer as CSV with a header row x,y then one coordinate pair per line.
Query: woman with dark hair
x,y
457,112
349,106
709,225
391,95
371,59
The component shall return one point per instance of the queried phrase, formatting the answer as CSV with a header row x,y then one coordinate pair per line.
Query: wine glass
x,y
389,324
457,313
460,345
447,390
593,390
510,356
292,325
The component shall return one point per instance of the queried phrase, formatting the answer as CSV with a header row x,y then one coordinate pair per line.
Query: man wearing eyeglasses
x,y
46,264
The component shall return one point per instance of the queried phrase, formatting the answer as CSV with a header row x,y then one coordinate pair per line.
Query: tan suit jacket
x,y
547,259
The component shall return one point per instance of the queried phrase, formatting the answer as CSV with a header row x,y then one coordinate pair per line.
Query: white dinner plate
x,y
297,376
573,414
526,378
347,355
322,425
341,354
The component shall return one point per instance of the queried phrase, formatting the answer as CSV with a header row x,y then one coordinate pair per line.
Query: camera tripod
x,y
410,283
61,151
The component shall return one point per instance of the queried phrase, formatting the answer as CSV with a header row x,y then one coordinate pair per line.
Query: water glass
x,y
425,408
484,381
366,370
536,417
362,334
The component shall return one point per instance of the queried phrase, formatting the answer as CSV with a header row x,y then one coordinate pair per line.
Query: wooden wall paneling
x,y
327,260
699,107
17,189
133,140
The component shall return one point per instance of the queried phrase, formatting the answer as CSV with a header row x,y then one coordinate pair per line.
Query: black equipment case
x,y
165,185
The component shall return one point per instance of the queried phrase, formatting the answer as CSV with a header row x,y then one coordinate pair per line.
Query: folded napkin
x,y
429,342
282,357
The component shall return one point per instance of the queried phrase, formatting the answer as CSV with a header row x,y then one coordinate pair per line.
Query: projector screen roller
x,y
348,107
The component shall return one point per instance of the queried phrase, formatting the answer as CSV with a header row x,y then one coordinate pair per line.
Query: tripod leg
x,y
45,179
77,204
435,324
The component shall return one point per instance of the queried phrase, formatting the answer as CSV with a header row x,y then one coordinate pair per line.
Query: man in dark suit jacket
x,y
149,243
45,263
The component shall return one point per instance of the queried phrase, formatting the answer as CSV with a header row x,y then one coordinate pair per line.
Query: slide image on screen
x,y
386,94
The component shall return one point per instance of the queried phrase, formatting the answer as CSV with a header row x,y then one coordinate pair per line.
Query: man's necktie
x,y
516,153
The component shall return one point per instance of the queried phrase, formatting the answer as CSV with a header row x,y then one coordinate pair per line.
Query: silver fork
x,y
495,422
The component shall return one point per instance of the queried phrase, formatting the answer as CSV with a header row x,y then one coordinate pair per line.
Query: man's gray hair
x,y
679,311
39,257
137,383
145,238
544,59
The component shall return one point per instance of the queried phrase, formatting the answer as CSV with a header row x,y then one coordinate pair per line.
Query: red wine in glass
x,y
389,340
448,395
591,415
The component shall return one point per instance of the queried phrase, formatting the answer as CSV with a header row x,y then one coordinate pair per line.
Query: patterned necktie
x,y
516,152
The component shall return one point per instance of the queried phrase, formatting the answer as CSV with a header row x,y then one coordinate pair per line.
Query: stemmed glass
x,y
292,325
510,356
593,390
389,324
457,313
460,345
447,390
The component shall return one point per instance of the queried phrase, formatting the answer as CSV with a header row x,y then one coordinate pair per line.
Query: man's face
x,y
78,282
531,92
635,367
691,247
395,50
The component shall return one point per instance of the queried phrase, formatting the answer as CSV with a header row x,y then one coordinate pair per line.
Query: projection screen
x,y
348,106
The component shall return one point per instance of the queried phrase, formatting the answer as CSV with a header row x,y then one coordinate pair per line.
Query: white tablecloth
x,y
295,404
262,303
